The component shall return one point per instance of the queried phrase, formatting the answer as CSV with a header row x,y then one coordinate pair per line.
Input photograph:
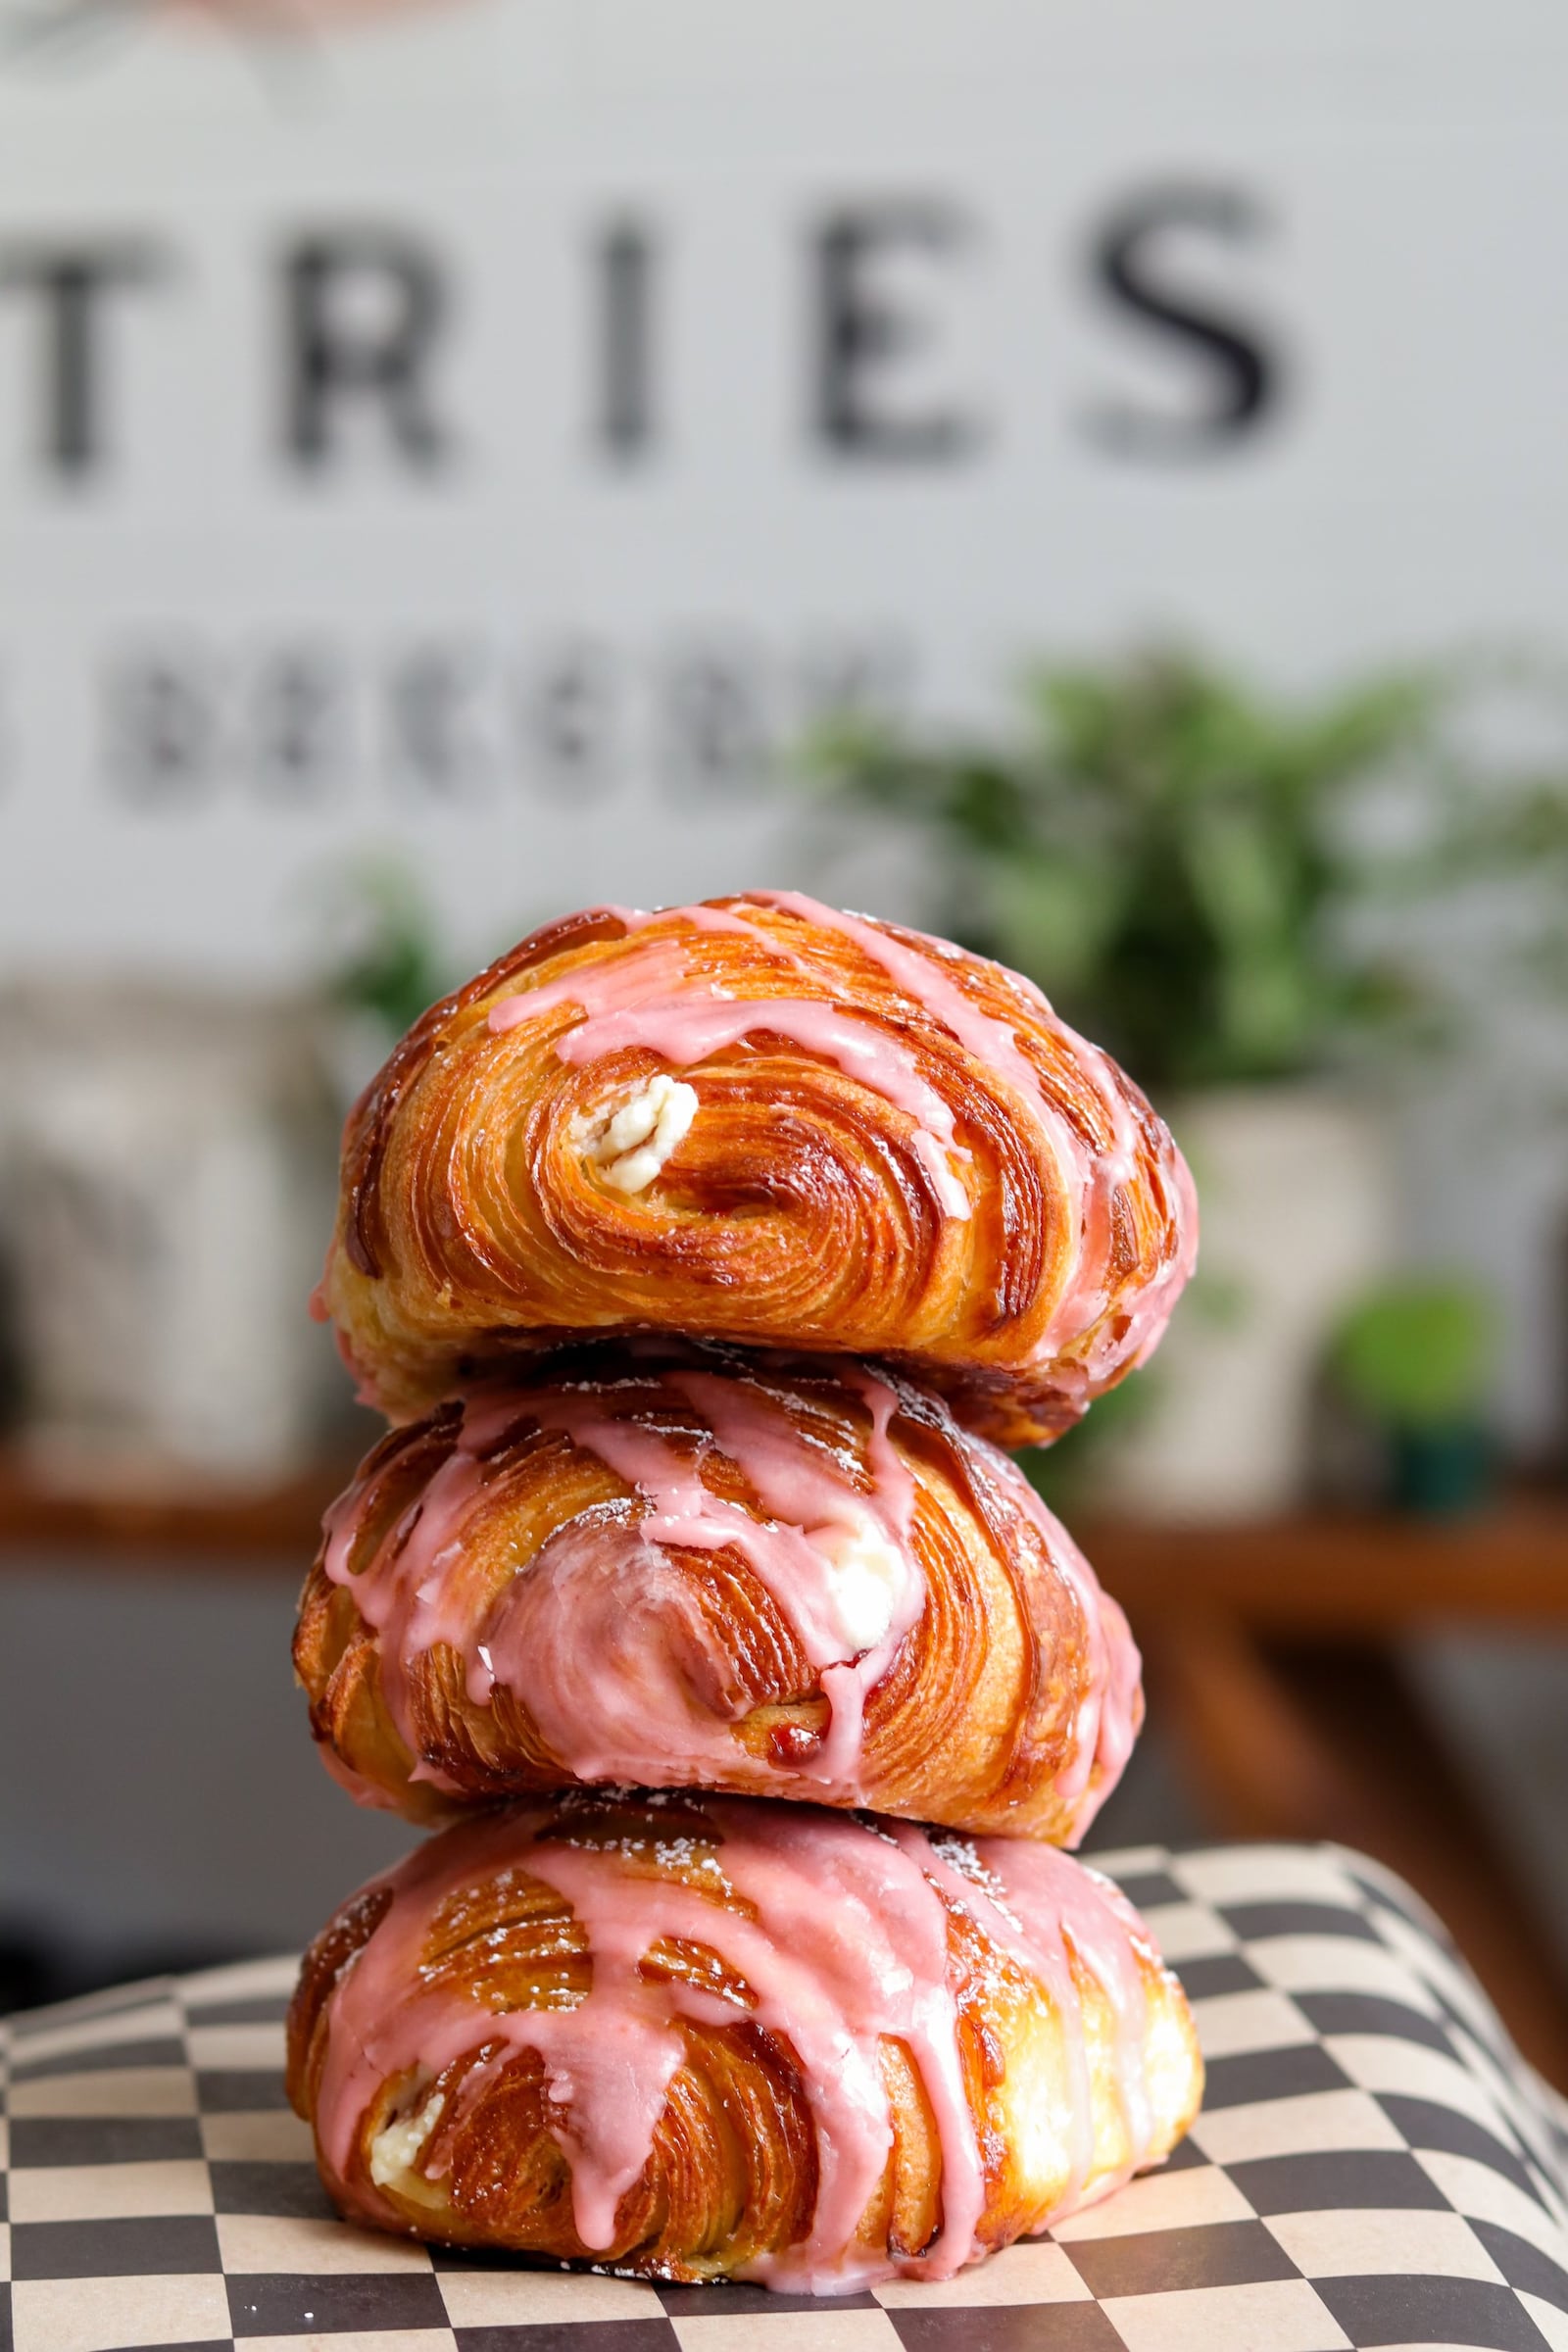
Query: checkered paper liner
x,y
1374,2166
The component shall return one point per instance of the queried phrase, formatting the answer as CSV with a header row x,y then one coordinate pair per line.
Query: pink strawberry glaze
x,y
847,1945
624,1008
603,1635
587,1630
648,999
1109,1711
1089,1174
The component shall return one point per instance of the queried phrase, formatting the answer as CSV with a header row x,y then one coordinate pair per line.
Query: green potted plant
x,y
1414,1359
1188,868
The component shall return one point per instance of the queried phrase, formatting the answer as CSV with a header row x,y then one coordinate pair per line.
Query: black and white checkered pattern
x,y
1374,2166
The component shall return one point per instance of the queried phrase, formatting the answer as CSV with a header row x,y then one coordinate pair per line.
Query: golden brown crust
x,y
733,2174
803,1207
1009,1706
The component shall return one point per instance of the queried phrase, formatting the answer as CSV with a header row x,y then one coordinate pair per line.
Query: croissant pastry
x,y
775,1124
697,2038
674,1565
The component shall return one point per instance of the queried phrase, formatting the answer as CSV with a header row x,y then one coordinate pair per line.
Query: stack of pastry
x,y
702,1261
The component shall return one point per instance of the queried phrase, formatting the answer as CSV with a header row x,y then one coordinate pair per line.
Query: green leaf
x,y
1418,1355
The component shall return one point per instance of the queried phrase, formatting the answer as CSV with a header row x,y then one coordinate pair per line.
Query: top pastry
x,y
758,1120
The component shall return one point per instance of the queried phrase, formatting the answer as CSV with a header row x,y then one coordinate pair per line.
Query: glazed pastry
x,y
699,2038
676,1565
775,1124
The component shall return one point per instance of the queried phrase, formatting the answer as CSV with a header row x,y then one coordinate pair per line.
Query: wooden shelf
x,y
1275,1668
195,1526
1347,1573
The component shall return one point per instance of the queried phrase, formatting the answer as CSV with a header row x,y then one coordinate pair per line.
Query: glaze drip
x,y
649,998
1089,1174
628,1002
1108,1709
844,1943
586,1628
631,1661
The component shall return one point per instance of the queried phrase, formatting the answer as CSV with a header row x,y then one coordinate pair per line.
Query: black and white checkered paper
x,y
1374,2166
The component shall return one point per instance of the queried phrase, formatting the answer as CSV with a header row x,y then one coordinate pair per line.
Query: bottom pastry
x,y
699,2037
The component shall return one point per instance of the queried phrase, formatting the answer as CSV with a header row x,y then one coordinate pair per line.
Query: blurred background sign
x,y
500,425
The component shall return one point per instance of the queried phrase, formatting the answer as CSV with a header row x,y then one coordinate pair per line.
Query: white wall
x,y
1406,178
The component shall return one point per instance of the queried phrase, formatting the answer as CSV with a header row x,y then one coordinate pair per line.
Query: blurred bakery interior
x,y
1088,481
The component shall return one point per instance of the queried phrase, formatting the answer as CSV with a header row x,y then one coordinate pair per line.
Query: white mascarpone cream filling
x,y
395,2150
866,1577
629,1143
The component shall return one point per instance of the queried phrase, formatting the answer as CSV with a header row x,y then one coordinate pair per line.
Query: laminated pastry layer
x,y
678,1566
699,2038
772,1123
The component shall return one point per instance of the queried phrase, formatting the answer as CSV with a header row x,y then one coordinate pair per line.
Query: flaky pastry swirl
x,y
770,1123
698,2037
680,1566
